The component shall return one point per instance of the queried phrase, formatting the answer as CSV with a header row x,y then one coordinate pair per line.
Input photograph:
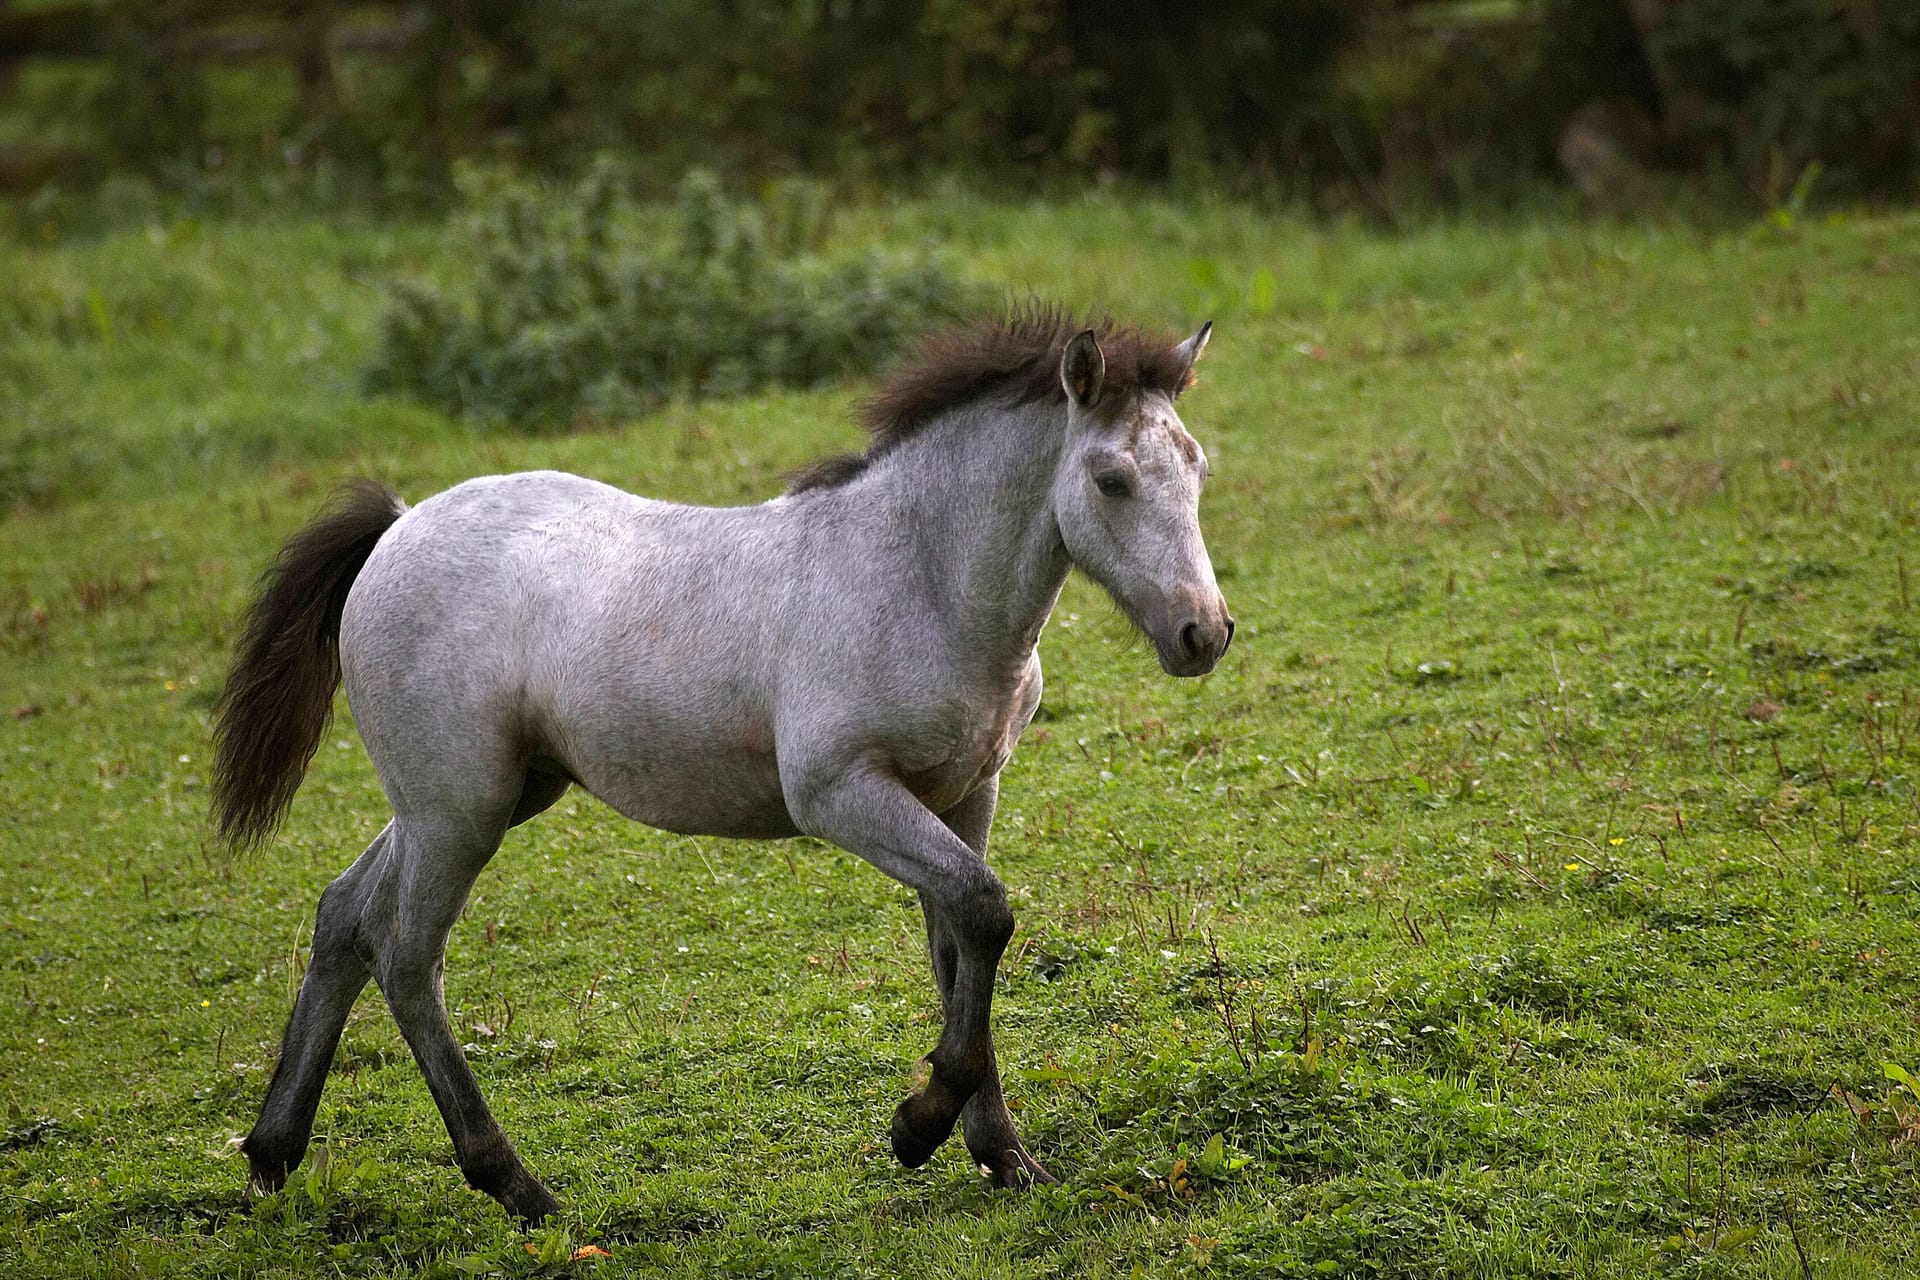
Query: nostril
x,y
1190,639
1229,644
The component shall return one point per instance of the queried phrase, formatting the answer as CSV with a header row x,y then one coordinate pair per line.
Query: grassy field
x,y
1534,891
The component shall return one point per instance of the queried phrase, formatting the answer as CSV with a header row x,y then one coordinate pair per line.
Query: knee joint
x,y
984,913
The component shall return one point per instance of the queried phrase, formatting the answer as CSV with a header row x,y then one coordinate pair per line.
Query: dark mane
x,y
1016,357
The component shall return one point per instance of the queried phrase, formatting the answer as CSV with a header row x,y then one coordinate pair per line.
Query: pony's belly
x,y
712,795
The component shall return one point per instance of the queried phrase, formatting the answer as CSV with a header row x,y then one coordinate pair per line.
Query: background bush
x,y
582,303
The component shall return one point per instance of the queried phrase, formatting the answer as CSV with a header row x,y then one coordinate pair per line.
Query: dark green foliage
x,y
1383,106
1771,86
1417,118
1174,88
904,85
896,86
1757,89
584,305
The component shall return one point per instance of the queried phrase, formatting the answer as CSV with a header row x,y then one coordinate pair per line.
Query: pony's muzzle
x,y
1201,643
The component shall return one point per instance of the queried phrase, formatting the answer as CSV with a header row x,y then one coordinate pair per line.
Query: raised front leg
x,y
992,1140
872,815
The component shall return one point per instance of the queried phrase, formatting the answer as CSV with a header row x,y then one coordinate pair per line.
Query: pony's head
x,y
1127,500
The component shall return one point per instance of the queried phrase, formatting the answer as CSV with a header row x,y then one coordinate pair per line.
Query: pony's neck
x,y
978,489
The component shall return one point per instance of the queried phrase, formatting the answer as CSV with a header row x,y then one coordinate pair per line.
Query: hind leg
x,y
537,793
437,859
336,971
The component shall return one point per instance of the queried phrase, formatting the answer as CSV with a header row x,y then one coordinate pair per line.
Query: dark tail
x,y
279,694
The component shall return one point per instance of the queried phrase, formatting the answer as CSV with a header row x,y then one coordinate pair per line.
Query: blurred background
x,y
1383,108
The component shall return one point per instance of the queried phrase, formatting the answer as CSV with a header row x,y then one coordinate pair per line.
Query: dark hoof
x,y
505,1179
528,1201
267,1169
919,1127
1011,1167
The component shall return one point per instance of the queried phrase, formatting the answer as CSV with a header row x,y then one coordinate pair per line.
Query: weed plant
x,y
582,305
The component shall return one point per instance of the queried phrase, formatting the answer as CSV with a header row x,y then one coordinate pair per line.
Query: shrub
x,y
584,304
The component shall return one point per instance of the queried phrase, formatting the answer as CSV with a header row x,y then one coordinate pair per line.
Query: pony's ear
x,y
1082,367
1188,354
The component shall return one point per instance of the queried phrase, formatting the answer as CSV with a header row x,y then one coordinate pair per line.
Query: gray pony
x,y
853,660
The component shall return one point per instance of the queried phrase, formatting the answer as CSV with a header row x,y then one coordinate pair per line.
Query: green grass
x,y
1553,821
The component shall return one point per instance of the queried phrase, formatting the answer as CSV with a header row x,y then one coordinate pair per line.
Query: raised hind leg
x,y
437,859
336,971
991,1138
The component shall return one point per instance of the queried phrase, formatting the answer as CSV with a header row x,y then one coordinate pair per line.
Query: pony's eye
x,y
1113,485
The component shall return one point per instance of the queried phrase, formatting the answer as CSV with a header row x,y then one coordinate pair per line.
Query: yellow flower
x,y
205,1003
1573,866
1618,840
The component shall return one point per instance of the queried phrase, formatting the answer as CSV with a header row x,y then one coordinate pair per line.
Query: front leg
x,y
992,1140
871,814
